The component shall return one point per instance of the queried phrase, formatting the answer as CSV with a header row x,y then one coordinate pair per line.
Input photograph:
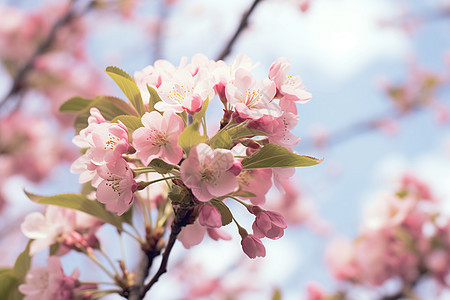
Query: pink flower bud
x,y
269,224
209,216
236,168
253,246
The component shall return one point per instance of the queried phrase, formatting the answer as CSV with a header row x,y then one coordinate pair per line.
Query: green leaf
x,y
81,203
110,107
177,193
9,286
276,156
131,122
221,140
276,294
161,166
244,194
75,104
190,137
198,116
128,86
53,249
23,262
154,98
127,217
225,212
240,132
87,188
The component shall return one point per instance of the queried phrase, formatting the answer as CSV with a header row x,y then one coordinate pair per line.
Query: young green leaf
x,y
240,132
225,212
110,107
75,104
23,262
81,203
198,116
161,166
128,86
276,156
9,285
221,140
191,137
154,98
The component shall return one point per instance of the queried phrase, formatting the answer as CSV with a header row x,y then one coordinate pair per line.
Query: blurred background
x,y
379,72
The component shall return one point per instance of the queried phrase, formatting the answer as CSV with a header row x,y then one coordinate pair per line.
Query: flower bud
x,y
253,247
209,216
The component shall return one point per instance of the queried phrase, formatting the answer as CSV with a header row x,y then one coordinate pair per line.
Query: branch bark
x,y
138,291
242,25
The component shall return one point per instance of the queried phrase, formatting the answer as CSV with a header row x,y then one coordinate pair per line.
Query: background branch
x,y
242,25
19,79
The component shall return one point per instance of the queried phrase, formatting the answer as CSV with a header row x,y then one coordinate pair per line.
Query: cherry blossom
x,y
206,173
159,137
289,87
49,228
257,182
117,189
252,98
185,92
268,224
209,216
49,283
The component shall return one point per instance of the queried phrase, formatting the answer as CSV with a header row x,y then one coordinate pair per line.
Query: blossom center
x,y
290,80
207,174
157,138
179,92
252,97
111,142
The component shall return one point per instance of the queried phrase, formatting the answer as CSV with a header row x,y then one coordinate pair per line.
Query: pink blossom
x,y
268,224
340,258
289,87
206,173
193,234
209,216
159,137
153,76
117,189
48,283
184,92
252,98
48,229
218,234
84,166
257,182
109,142
278,129
253,246
315,292
224,73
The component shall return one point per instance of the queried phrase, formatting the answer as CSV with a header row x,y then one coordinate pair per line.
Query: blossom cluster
x,y
155,156
405,236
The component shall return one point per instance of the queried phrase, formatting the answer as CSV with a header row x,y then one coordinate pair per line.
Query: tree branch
x,y
138,291
242,25
20,77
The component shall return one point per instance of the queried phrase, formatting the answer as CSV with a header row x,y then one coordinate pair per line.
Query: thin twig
x,y
242,25
20,77
182,218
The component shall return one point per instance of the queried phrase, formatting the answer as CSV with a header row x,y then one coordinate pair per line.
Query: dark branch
x,y
242,25
182,218
19,81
